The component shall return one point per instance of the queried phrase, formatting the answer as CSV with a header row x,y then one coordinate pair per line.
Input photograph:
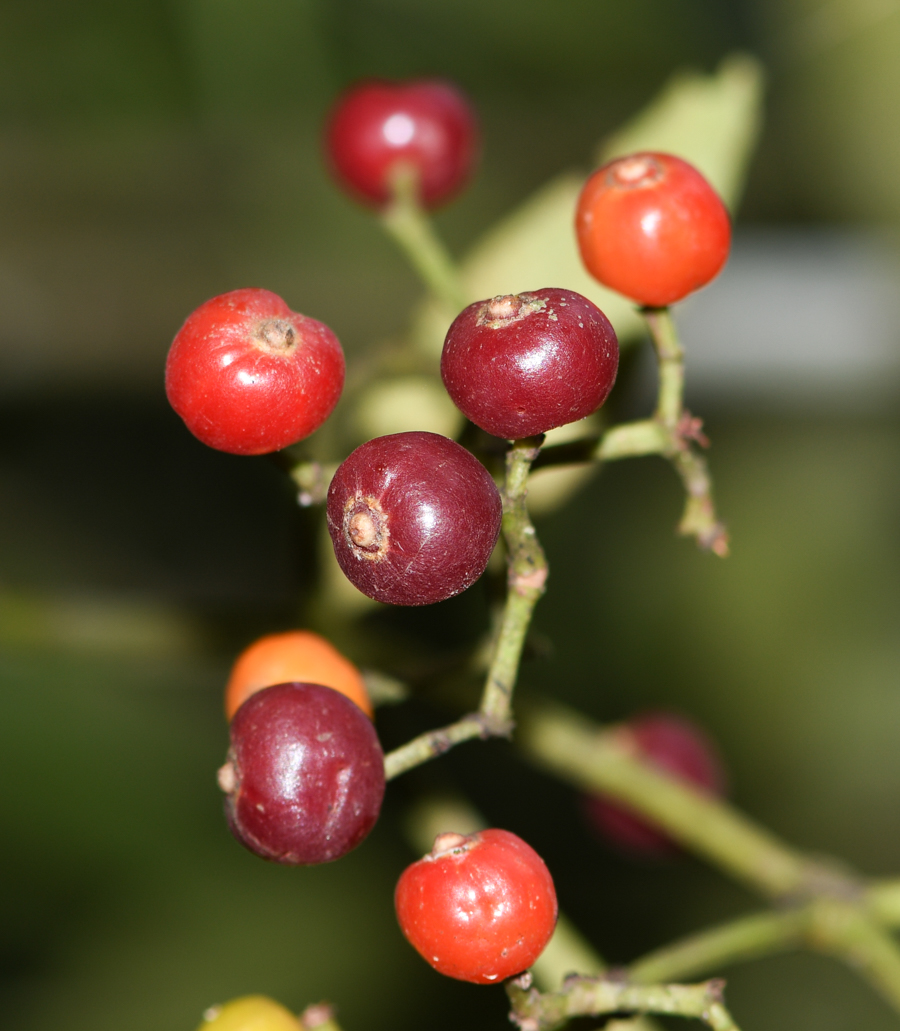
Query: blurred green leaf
x,y
712,120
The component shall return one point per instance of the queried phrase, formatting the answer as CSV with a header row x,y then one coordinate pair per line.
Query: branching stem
x,y
606,761
762,934
595,996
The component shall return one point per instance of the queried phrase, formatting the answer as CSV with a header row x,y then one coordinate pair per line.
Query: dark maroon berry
x,y
413,518
304,778
521,364
425,125
678,747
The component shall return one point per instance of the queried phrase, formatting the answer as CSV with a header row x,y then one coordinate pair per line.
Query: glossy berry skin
x,y
250,1013
521,364
425,124
678,747
413,518
652,228
296,655
304,777
250,376
479,908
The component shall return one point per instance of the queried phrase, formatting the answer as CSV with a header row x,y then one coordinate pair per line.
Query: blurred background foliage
x,y
156,152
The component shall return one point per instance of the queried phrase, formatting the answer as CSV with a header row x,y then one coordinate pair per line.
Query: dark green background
x,y
153,154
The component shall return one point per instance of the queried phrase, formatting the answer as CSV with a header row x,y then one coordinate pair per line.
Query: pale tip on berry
x,y
227,778
503,307
362,530
506,308
636,170
275,335
447,841
366,528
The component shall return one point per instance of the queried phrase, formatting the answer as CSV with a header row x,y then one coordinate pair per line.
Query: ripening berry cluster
x,y
414,517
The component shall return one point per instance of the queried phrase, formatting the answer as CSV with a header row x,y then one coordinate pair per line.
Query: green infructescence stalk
x,y
824,907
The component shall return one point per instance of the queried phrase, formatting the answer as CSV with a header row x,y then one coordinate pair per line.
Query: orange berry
x,y
295,656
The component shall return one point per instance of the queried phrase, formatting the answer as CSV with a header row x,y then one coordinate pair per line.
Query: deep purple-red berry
x,y
413,518
304,777
678,747
521,364
378,127
250,376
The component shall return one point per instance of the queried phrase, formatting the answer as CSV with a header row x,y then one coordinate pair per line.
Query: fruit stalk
x,y
883,898
407,222
749,937
670,359
840,928
699,518
527,579
594,996
832,912
432,744
626,440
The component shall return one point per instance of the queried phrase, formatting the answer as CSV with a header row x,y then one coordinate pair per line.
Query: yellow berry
x,y
249,1013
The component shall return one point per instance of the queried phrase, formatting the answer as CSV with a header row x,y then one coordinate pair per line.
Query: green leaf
x,y
713,121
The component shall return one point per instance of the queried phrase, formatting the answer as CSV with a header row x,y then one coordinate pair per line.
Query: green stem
x,y
566,953
407,222
627,440
595,996
607,762
750,937
883,902
435,743
699,519
670,359
527,576
840,929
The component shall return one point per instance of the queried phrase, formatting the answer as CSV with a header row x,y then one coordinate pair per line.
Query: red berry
x,y
426,125
479,908
250,376
413,518
304,778
678,747
652,228
520,364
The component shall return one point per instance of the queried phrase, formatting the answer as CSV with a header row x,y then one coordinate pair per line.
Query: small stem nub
x,y
227,778
503,307
276,335
447,842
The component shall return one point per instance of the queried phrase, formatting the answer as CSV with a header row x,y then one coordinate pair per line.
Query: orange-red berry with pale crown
x,y
652,228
